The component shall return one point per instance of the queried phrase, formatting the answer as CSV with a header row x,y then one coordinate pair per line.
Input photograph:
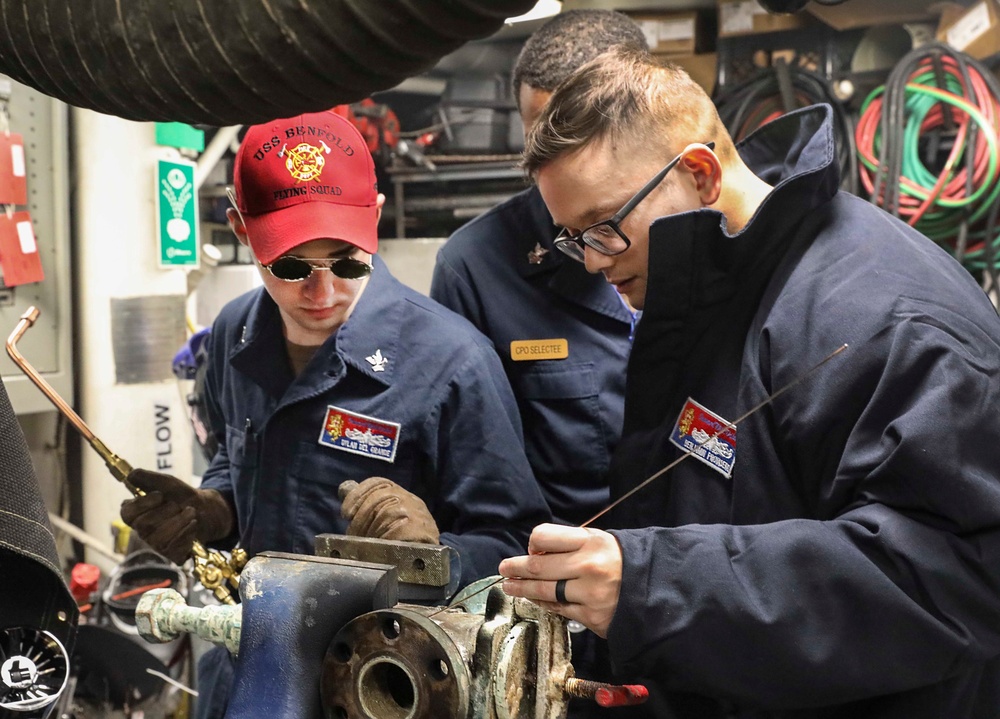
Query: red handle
x,y
621,696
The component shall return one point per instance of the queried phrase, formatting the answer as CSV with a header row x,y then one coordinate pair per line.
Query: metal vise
x,y
326,637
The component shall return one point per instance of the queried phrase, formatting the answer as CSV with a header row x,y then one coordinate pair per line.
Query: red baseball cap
x,y
305,178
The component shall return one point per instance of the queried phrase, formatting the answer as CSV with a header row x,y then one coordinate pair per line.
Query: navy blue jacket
x,y
438,418
571,408
851,565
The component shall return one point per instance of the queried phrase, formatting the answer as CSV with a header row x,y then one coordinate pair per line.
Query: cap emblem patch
x,y
305,162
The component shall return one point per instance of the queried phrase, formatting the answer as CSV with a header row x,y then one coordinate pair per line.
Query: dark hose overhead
x,y
223,62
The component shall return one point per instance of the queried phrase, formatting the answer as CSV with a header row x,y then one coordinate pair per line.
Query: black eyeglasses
x,y
295,269
607,236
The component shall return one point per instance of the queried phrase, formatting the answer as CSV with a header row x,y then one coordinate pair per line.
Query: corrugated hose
x,y
226,62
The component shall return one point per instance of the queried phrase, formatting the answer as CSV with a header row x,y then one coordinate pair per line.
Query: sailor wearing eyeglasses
x,y
335,371
837,553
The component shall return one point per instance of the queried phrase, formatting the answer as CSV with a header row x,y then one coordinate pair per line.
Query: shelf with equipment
x,y
438,197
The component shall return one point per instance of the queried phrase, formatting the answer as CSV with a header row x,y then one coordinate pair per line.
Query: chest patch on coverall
x,y
707,436
525,350
359,434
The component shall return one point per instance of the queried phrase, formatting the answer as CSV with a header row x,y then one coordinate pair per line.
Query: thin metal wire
x,y
742,417
677,461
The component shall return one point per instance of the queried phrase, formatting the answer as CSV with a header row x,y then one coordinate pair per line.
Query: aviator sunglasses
x,y
290,268
295,269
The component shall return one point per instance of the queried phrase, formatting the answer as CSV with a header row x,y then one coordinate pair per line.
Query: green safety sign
x,y
177,134
176,213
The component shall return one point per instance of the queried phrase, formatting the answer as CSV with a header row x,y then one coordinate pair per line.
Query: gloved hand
x,y
173,514
380,508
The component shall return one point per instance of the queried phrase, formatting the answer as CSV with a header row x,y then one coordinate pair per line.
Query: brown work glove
x,y
380,508
173,514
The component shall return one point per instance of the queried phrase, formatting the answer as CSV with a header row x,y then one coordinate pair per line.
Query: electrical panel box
x,y
47,346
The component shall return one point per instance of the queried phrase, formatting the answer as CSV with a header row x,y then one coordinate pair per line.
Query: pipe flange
x,y
394,664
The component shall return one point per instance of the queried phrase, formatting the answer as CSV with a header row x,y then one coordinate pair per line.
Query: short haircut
x,y
628,99
567,42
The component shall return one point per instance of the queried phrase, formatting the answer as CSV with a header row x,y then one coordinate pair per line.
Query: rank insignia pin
x,y
536,255
377,361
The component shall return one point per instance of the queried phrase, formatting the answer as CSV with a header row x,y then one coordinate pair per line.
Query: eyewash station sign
x,y
176,214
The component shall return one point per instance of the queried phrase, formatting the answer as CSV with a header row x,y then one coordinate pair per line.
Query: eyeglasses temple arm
x,y
648,187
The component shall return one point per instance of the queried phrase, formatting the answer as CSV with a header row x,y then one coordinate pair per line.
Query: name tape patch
x,y
555,349
696,431
359,434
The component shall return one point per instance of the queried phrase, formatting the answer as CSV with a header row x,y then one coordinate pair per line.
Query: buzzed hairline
x,y
629,100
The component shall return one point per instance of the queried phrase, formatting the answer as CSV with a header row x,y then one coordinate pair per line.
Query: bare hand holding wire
x,y
585,566
576,571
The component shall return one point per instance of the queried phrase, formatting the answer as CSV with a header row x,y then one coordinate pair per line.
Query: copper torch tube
x,y
118,466
27,320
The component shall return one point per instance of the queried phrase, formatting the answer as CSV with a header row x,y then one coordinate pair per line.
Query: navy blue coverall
x,y
441,413
405,389
850,566
502,273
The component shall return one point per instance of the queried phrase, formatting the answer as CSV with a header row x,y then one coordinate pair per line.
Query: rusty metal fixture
x,y
507,659
513,678
402,664
424,564
489,656
162,616
209,567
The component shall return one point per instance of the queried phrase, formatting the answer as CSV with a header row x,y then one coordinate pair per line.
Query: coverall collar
x,y
703,280
371,334
566,277
693,258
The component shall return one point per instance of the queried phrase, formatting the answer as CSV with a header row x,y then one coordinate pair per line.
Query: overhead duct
x,y
226,62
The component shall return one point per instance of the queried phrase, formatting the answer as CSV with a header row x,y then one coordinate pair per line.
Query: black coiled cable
x,y
774,91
